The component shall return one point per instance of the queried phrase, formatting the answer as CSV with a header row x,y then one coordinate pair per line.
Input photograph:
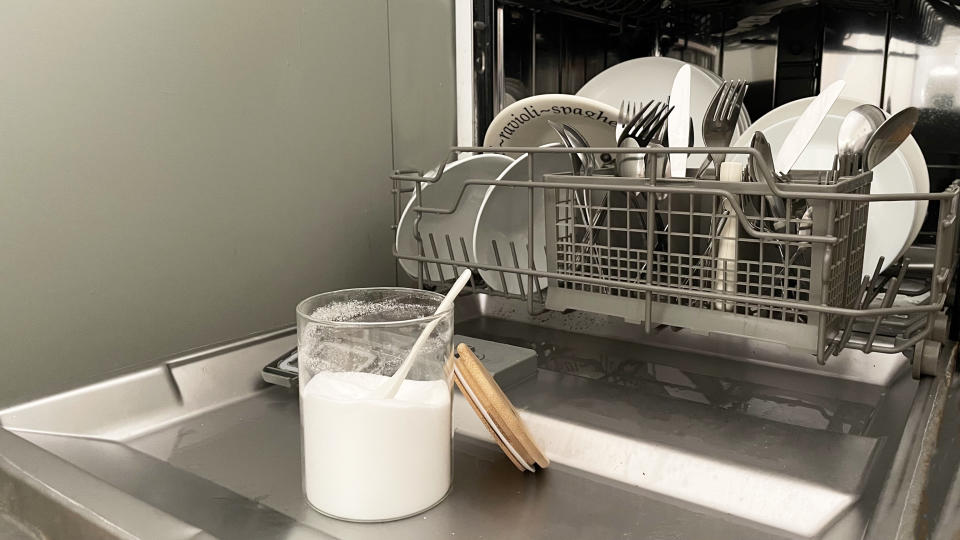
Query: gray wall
x,y
422,79
180,172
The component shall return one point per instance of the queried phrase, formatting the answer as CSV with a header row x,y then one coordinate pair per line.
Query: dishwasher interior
x,y
840,424
892,53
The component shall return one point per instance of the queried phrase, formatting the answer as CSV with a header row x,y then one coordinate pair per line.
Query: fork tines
x,y
729,98
646,124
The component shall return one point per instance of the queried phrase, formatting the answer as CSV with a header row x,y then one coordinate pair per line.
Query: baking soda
x,y
374,459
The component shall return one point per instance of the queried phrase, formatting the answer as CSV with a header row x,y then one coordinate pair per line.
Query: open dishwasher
x,y
790,394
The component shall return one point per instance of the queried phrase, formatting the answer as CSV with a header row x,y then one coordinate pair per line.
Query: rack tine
x,y
516,264
436,256
496,257
456,267
848,328
888,298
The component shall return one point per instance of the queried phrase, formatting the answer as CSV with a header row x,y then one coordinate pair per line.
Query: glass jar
x,y
365,457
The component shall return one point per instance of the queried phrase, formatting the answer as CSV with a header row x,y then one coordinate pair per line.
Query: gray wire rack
x,y
646,250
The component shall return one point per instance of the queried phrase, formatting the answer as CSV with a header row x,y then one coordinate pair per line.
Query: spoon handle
x,y
390,387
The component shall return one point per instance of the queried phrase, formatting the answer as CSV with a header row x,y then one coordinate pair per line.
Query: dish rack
x,y
659,251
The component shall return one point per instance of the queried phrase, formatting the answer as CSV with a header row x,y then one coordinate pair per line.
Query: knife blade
x,y
806,126
678,124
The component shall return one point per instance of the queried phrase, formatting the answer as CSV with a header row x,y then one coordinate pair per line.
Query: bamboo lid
x,y
496,412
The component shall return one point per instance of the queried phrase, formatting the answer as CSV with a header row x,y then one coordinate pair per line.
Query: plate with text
x,y
524,123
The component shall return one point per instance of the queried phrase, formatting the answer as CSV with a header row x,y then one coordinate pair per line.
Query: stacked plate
x,y
490,228
447,236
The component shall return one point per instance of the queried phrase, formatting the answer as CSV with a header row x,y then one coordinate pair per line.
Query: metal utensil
x,y
720,120
590,165
628,110
578,164
591,162
639,131
647,123
889,136
585,163
805,127
857,128
627,164
628,119
760,171
572,138
679,120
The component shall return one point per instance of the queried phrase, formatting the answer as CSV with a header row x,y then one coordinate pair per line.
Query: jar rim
x,y
302,310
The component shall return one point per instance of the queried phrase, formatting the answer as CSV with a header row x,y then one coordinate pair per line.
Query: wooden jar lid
x,y
496,412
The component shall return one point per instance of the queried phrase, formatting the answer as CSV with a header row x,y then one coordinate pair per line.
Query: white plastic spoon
x,y
390,387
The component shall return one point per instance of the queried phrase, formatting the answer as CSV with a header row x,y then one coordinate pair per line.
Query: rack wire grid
x,y
674,240
788,268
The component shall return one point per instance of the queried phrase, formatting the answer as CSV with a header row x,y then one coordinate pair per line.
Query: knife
x,y
805,127
678,124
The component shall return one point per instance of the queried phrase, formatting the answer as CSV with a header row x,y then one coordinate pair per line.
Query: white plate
x,y
524,123
503,218
891,226
643,79
459,224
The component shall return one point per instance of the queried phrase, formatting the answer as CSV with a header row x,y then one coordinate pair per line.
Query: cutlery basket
x,y
667,237
659,251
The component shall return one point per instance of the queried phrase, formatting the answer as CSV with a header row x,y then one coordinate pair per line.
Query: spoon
x,y
857,127
579,141
758,172
889,136
390,387
579,160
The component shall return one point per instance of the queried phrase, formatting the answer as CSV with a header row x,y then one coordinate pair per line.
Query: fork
x,y
628,109
645,129
720,120
583,165
646,124
639,131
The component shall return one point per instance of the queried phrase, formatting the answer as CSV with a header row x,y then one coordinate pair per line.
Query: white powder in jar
x,y
374,459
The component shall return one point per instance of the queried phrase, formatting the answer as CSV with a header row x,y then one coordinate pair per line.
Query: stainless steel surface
x,y
738,443
807,302
945,473
905,506
890,135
